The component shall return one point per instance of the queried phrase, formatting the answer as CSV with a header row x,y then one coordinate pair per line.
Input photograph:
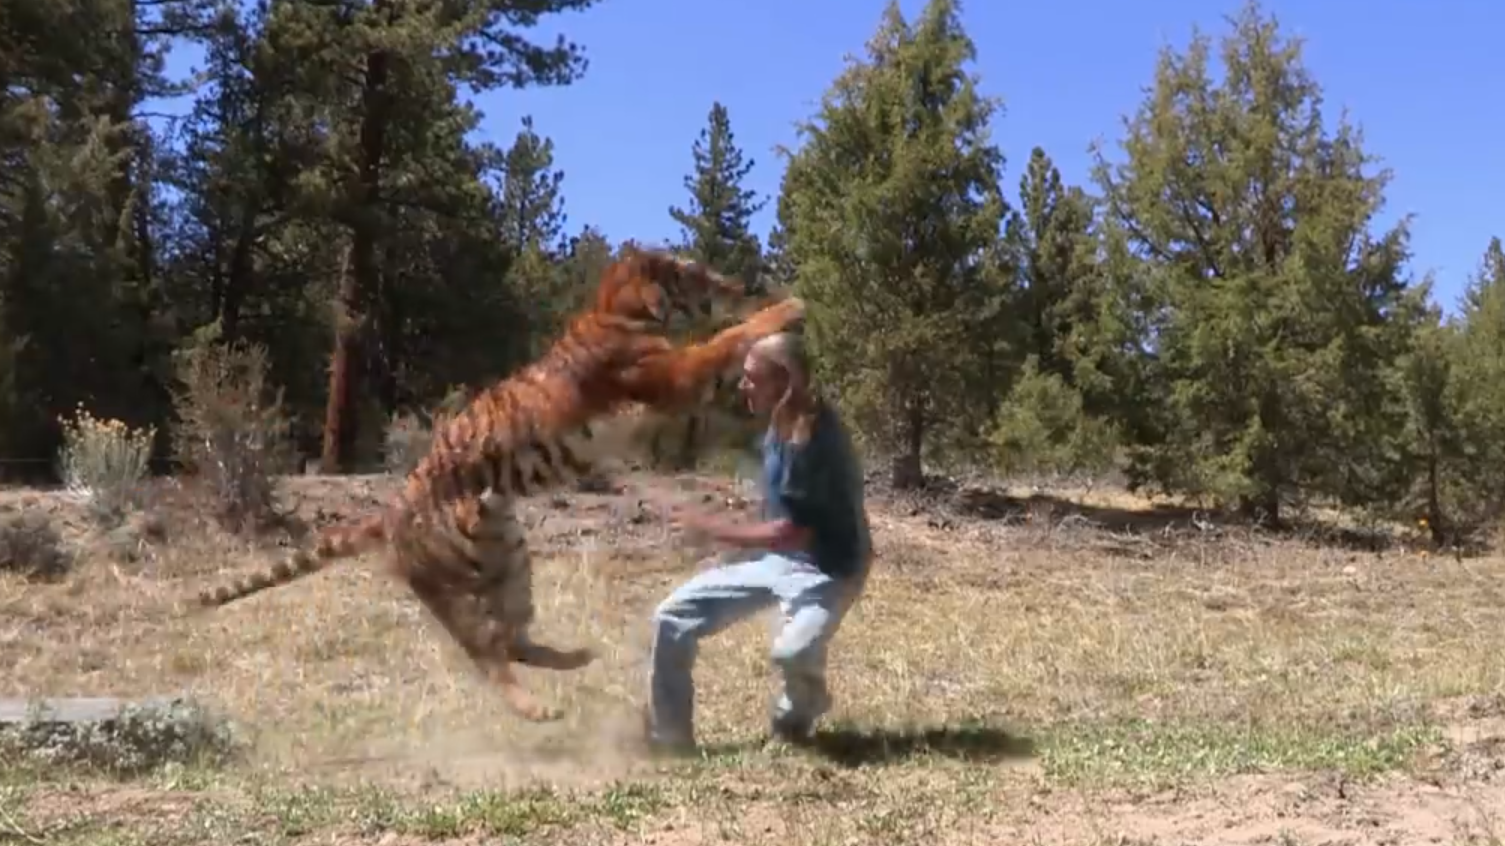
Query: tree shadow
x,y
991,504
1172,524
852,746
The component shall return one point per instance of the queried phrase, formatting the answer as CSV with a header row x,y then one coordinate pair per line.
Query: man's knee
x,y
790,655
685,611
674,626
801,642
679,608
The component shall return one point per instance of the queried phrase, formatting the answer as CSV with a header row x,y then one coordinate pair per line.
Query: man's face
x,y
762,383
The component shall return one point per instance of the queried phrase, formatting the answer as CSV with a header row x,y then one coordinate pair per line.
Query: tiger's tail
x,y
334,543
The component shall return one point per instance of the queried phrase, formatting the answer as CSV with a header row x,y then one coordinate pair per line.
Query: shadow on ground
x,y
1170,523
850,746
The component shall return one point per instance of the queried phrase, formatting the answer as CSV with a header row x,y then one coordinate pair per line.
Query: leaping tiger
x,y
453,532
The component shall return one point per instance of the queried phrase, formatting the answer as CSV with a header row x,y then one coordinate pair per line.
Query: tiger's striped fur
x,y
681,440
453,533
718,425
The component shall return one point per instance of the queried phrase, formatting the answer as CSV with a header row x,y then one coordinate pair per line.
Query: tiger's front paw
x,y
778,317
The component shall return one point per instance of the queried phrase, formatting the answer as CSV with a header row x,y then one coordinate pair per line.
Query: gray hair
x,y
787,350
794,415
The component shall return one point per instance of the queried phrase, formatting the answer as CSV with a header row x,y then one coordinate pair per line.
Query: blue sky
x,y
1066,72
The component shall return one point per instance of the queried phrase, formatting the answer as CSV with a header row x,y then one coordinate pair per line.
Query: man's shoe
x,y
791,730
658,748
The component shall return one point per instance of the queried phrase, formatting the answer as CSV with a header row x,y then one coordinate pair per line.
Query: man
x,y
809,554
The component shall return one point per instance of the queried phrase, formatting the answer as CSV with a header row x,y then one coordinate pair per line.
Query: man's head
x,y
775,372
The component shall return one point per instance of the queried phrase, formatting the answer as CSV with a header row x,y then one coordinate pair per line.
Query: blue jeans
x,y
813,605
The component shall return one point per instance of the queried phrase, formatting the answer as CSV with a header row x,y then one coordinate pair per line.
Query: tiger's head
x,y
654,285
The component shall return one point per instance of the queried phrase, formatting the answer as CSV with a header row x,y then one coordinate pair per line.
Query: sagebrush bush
x,y
1043,430
138,739
31,546
409,435
233,431
103,462
406,441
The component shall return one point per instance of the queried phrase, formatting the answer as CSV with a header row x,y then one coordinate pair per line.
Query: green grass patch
x,y
369,812
1142,752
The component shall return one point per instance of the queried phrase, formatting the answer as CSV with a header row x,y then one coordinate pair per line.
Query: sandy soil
x,y
962,546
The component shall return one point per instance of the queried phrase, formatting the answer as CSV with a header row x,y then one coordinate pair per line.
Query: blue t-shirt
x,y
819,485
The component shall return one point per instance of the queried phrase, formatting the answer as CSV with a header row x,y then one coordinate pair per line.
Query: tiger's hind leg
x,y
474,574
485,645
506,591
442,568
546,657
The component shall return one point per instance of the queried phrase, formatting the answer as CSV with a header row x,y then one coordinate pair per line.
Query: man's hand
x,y
679,514
704,527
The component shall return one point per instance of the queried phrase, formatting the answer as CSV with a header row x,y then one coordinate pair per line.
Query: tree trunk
x,y
239,279
359,281
1434,496
1262,508
385,361
338,429
906,469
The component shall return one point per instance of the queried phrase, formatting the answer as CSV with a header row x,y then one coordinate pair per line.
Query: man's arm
x,y
665,376
777,535
801,491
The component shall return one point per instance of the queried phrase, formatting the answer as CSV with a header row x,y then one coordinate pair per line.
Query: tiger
x,y
453,534
719,423
681,440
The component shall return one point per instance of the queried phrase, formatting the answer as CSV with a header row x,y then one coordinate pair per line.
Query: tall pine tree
x,y
1478,371
1049,423
380,84
717,224
1274,313
1052,232
532,212
894,207
717,230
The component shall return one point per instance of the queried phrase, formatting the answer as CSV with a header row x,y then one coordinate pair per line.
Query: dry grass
x,y
1036,683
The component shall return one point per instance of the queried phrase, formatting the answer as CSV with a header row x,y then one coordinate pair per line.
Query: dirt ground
x,y
1040,672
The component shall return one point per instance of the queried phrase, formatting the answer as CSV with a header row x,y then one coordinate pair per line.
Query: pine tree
x,y
1052,232
383,80
1477,369
79,211
532,201
717,224
532,212
1273,315
894,208
716,228
1049,423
